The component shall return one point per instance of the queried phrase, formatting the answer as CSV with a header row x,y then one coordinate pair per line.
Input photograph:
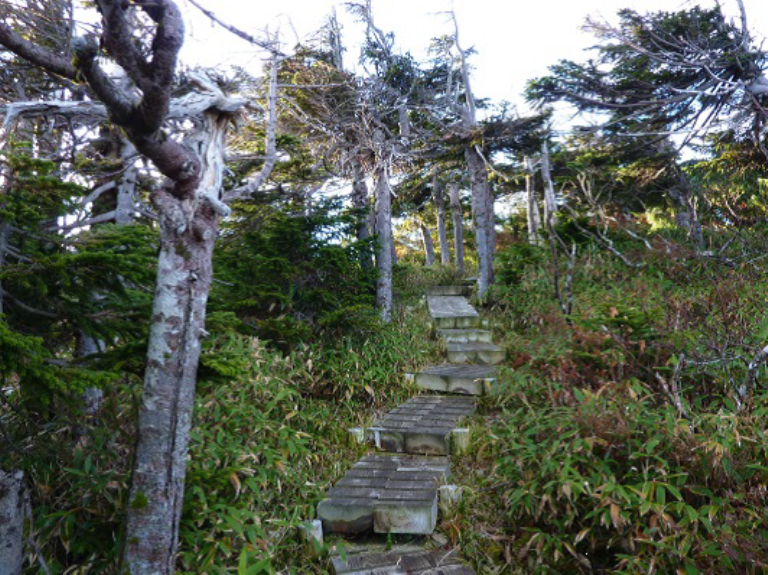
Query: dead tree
x,y
188,207
429,245
482,200
534,217
550,203
439,198
458,226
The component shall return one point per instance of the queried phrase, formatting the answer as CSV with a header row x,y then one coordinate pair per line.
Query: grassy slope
x,y
583,463
271,442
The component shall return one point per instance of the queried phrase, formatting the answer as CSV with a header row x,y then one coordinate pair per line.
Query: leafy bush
x,y
586,464
616,482
269,438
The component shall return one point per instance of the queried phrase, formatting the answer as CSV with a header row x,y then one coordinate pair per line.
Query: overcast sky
x,y
515,40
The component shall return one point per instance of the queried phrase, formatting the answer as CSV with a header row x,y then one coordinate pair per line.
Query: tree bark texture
x,y
550,204
534,217
5,231
361,203
458,226
490,199
92,396
188,229
442,234
478,178
429,246
11,522
384,258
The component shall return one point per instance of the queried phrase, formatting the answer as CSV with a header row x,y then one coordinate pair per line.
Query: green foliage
x,y
588,465
290,276
513,262
78,481
269,441
269,437
613,481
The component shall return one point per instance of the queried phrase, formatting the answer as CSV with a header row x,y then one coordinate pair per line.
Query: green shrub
x,y
613,481
291,277
513,262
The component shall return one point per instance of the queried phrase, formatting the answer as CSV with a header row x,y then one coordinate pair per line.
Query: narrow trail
x,y
403,487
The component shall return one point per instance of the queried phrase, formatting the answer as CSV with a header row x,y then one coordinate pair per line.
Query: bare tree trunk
x,y
361,203
5,231
184,276
126,186
92,396
686,215
11,522
458,226
189,209
478,178
491,215
429,245
534,218
550,204
384,259
393,245
442,234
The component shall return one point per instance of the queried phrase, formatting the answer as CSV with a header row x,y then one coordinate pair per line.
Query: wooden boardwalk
x,y
401,489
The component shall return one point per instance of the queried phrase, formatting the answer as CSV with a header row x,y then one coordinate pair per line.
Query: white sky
x,y
516,39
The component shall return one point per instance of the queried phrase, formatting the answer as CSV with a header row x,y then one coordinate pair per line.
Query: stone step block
x,y
449,290
386,494
423,425
465,335
476,352
452,312
461,379
435,562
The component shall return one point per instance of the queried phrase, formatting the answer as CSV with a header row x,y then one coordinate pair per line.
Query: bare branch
x,y
269,46
603,240
100,219
271,143
48,61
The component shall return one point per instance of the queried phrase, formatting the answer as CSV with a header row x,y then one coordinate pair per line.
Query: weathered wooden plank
x,y
448,291
386,494
460,379
450,312
475,352
465,335
392,563
420,426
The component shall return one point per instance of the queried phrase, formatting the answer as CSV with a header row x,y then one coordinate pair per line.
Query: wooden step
x,y
451,378
465,335
450,312
423,425
386,494
476,352
435,562
448,290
